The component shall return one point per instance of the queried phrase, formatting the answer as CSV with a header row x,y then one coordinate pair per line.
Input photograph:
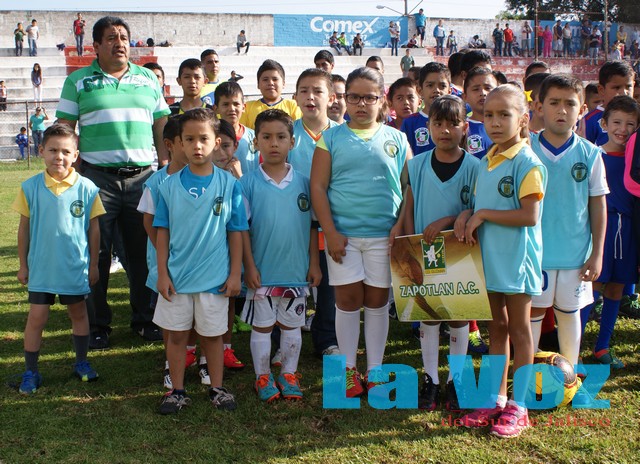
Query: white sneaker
x,y
331,350
116,265
307,323
203,372
276,361
167,380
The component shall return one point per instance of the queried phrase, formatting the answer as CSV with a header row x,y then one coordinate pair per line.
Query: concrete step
x,y
42,51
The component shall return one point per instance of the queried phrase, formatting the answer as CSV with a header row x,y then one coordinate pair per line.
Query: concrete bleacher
x,y
56,65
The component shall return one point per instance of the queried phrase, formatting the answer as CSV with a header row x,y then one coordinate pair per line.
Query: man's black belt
x,y
121,171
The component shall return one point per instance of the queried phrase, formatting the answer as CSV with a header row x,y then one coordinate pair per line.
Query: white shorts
x,y
563,289
367,260
264,312
205,312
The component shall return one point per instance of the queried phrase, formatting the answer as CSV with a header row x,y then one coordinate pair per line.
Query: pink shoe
x,y
481,417
511,423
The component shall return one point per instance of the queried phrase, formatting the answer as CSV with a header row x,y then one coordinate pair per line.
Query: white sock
x,y
348,334
501,401
227,346
290,344
430,346
191,347
166,364
536,330
569,331
376,329
203,359
458,342
260,352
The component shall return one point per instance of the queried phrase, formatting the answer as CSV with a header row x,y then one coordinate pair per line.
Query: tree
x,y
618,10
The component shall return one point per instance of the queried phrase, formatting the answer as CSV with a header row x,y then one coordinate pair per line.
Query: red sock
x,y
473,326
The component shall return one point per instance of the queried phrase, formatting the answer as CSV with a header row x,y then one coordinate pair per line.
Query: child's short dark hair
x,y
614,68
536,64
23,129
397,85
337,78
374,59
454,64
324,55
560,81
473,58
448,108
190,63
171,128
201,115
227,89
59,130
226,128
274,115
152,66
433,68
532,84
500,77
622,103
320,74
270,65
590,89
105,23
475,72
207,52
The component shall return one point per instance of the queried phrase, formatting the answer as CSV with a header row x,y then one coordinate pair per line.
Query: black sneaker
x,y
222,399
173,402
452,397
429,393
151,333
630,306
99,340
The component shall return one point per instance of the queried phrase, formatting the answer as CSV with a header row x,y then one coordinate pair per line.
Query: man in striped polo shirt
x,y
121,113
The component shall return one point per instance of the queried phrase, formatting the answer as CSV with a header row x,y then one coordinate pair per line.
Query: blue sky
x,y
440,8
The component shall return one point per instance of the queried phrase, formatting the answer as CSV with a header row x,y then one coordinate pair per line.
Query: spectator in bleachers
x,y
498,37
33,34
421,21
37,80
3,96
342,40
358,44
78,32
18,35
241,41
526,39
36,124
507,33
440,33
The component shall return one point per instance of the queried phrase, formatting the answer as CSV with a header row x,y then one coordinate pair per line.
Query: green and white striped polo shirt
x,y
115,116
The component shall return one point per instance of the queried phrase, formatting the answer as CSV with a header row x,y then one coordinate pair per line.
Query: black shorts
x,y
42,298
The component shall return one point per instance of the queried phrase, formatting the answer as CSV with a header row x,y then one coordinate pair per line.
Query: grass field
x,y
114,420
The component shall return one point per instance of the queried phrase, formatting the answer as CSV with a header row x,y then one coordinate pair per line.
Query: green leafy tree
x,y
618,10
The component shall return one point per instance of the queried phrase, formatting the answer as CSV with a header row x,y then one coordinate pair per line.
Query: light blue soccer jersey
x,y
434,199
246,153
566,228
478,142
301,154
280,228
365,191
198,247
58,256
511,256
152,184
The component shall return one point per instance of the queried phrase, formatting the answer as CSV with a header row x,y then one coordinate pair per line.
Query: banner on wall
x,y
315,30
440,281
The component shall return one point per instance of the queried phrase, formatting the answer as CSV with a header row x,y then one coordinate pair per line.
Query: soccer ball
x,y
569,378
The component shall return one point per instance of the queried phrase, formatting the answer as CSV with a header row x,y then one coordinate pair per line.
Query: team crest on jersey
x,y
300,309
505,187
303,202
422,136
579,172
77,208
433,258
217,206
474,144
464,195
391,148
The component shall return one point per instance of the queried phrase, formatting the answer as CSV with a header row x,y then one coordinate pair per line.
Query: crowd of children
x,y
267,202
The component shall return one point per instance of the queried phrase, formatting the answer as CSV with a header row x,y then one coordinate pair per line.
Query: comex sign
x,y
319,24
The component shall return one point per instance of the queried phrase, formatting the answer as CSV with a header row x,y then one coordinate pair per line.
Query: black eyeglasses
x,y
354,99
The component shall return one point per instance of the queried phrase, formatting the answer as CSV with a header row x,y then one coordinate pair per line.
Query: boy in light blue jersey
x,y
477,85
435,81
58,244
199,217
280,255
230,106
574,217
439,190
147,206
